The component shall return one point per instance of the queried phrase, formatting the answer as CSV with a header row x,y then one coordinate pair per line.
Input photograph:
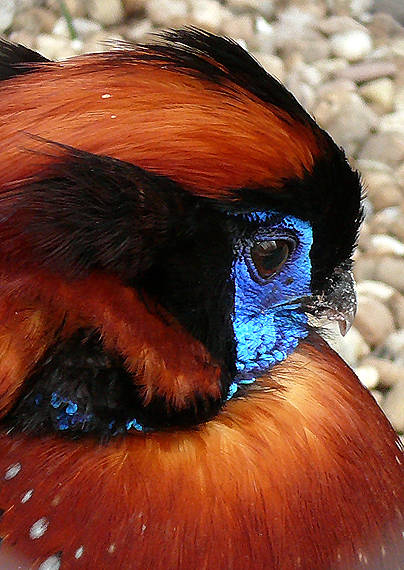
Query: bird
x,y
174,226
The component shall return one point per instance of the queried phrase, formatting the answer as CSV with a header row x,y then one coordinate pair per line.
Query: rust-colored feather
x,y
306,473
211,140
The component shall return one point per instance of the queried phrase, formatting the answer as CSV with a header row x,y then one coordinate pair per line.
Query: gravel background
x,y
344,60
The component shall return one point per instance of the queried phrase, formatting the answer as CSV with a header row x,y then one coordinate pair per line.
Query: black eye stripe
x,y
269,256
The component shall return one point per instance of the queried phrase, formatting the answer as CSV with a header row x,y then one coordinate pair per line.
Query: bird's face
x,y
272,275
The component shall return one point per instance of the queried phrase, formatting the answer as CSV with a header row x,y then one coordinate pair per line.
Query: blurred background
x,y
344,61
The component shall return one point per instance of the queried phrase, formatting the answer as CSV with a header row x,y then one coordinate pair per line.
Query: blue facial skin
x,y
268,322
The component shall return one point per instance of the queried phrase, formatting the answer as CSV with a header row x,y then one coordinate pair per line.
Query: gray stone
x,y
238,27
55,47
7,12
168,12
397,308
389,372
352,45
382,190
380,92
209,15
107,13
373,320
391,270
344,114
387,147
393,405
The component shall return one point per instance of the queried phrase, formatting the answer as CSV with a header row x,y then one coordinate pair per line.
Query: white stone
x,y
394,122
208,14
380,92
168,12
107,13
393,405
368,375
378,396
83,27
352,45
376,289
7,11
386,245
54,47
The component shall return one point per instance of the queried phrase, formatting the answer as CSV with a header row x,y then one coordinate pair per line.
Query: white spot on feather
x,y
111,548
27,496
113,116
106,96
79,552
51,563
12,471
39,528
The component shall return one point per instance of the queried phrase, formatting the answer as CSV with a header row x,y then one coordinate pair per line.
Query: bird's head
x,y
194,178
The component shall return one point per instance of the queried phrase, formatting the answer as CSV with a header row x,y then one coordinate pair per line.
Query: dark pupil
x,y
269,256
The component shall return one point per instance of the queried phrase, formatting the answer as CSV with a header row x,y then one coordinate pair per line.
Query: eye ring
x,y
269,256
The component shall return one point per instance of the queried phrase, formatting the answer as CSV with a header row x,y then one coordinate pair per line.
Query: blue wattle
x,y
268,321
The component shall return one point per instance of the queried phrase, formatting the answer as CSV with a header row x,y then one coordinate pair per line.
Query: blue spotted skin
x,y
267,320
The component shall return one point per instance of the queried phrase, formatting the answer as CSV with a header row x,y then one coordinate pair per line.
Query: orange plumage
x,y
300,469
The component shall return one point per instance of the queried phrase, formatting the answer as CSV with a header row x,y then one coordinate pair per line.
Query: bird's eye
x,y
270,256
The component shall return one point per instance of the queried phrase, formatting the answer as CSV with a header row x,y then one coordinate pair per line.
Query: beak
x,y
338,303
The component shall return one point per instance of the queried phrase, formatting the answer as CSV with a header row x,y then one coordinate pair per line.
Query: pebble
x,y
55,47
7,12
393,122
133,7
353,45
373,320
391,271
168,13
35,20
377,290
386,245
107,13
209,14
266,7
238,27
83,27
389,372
366,70
338,25
382,190
368,375
393,405
344,114
380,92
397,308
387,147
394,346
